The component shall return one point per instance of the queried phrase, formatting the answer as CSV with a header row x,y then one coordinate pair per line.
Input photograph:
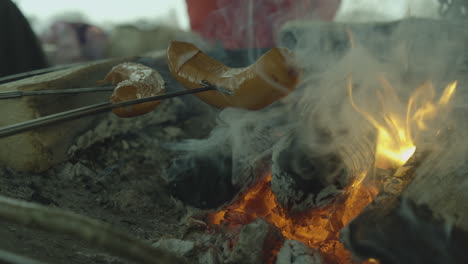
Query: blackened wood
x,y
202,180
399,231
394,229
303,178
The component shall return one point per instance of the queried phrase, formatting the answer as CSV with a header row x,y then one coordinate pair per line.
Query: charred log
x,y
401,231
397,230
302,178
202,181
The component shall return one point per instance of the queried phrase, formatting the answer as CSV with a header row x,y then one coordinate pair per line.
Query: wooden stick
x,y
96,233
11,258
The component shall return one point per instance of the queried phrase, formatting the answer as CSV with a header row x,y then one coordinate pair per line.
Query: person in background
x,y
20,50
247,24
73,42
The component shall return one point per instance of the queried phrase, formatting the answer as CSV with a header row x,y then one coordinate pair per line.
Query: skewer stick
x,y
93,109
23,75
18,94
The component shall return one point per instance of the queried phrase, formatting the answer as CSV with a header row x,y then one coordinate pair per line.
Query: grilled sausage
x,y
134,81
272,77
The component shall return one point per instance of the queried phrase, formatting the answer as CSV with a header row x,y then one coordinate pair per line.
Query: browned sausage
x,y
134,81
272,77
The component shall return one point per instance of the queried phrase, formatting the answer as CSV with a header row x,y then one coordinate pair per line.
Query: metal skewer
x,y
17,94
23,75
94,109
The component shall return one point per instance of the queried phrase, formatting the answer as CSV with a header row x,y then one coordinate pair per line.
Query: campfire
x,y
360,136
320,227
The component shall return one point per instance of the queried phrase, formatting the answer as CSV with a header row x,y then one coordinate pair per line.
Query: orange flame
x,y
395,143
318,228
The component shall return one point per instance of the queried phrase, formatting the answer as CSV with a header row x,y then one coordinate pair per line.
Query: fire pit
x,y
363,163
360,134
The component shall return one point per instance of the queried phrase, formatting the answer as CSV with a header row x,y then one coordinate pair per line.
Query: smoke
x,y
371,10
319,115
320,110
406,53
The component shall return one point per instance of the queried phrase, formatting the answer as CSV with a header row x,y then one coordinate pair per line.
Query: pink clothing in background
x,y
252,23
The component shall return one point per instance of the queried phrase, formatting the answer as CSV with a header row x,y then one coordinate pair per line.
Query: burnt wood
x,y
202,181
394,229
399,231
303,178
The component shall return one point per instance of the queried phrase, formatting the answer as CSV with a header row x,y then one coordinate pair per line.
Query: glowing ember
x,y
395,144
318,228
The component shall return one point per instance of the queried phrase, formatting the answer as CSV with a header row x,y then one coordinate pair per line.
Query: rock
x,y
179,247
295,252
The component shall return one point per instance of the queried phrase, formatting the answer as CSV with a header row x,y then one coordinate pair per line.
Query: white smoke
x,y
374,10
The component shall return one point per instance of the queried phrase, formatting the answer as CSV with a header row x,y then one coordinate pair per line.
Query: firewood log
x,y
395,229
38,150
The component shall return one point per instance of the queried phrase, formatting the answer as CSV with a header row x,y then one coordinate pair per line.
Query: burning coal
x,y
317,228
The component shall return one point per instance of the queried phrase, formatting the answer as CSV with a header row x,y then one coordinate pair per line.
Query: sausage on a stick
x,y
134,81
271,78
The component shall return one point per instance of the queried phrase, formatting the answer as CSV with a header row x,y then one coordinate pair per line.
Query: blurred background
x,y
38,34
105,13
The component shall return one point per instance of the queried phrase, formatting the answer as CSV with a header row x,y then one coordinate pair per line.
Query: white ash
x,y
112,125
296,252
209,257
70,171
249,247
182,248
242,245
135,199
